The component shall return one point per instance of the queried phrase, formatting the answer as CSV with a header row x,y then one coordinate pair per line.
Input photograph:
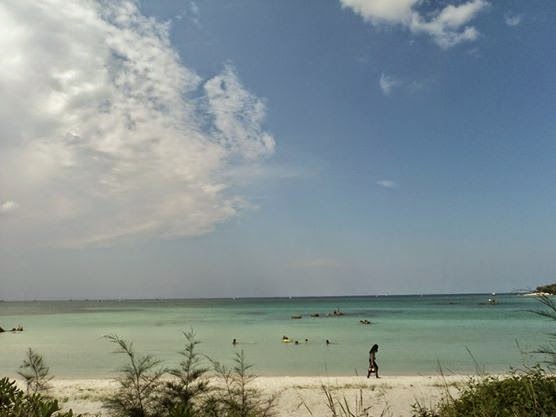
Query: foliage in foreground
x,y
523,394
187,392
528,394
342,407
548,350
188,381
35,373
139,379
235,397
16,403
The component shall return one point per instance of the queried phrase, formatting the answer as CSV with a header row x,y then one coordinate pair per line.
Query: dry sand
x,y
388,396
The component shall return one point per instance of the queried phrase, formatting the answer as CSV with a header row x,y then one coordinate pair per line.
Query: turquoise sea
x,y
415,333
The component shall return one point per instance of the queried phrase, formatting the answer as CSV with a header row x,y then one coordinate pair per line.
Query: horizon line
x,y
121,299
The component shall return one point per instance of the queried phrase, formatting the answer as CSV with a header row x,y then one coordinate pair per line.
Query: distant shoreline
x,y
537,294
281,297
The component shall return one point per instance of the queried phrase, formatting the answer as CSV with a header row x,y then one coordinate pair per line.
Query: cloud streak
x,y
387,184
8,206
448,26
106,135
387,83
512,19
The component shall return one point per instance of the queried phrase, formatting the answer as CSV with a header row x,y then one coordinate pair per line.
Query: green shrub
x,y
139,384
35,372
16,403
550,288
344,408
235,396
549,349
188,392
181,395
528,394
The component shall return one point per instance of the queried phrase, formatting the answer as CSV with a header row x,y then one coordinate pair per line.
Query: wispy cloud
x,y
474,52
192,13
387,83
8,206
512,19
228,103
117,138
387,184
448,26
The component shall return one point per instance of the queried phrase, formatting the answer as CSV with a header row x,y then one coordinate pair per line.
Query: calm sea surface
x,y
415,333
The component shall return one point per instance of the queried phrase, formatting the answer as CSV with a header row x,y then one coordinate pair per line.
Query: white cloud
x,y
387,184
192,13
512,19
387,83
105,134
7,206
228,102
382,11
447,26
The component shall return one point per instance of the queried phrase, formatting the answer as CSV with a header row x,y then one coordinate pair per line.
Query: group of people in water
x,y
337,312
285,339
373,365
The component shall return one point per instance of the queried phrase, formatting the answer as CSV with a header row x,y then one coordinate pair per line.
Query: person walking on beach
x,y
373,366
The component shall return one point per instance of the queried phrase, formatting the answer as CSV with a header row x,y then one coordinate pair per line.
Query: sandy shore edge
x,y
388,396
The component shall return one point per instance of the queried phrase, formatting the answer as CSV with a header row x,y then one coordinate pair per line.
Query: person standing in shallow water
x,y
373,366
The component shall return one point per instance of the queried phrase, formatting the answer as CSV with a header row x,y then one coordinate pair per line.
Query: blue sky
x,y
258,148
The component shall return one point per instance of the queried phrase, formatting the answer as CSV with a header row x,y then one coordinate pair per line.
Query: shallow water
x,y
415,333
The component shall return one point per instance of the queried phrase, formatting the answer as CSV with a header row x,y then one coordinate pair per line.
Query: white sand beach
x,y
389,396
